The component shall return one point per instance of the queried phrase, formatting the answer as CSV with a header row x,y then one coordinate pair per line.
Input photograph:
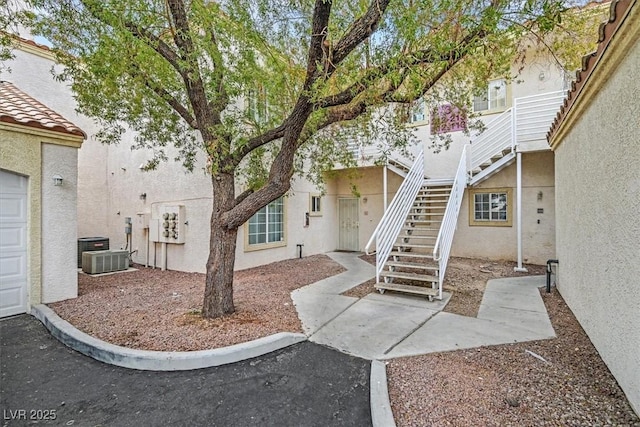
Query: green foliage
x,y
11,18
183,87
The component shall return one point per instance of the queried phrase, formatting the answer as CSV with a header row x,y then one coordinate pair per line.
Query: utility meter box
x,y
171,224
142,220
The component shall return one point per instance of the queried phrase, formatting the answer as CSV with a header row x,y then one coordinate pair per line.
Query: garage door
x,y
13,244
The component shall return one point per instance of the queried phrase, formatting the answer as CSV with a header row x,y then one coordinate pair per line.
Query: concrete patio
x,y
391,325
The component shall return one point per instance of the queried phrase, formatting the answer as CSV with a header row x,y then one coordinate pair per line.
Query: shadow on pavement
x,y
302,385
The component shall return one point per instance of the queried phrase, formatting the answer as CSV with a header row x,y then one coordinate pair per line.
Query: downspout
x,y
519,211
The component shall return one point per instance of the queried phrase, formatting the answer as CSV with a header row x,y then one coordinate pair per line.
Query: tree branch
x,y
258,141
164,95
359,31
192,77
155,43
318,52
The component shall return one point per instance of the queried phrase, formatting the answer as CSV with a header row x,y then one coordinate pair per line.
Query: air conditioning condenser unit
x,y
97,262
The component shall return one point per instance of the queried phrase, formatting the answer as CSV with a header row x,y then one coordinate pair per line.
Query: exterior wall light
x,y
57,180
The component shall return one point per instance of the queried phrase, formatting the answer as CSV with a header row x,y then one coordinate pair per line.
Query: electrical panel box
x,y
171,224
154,235
142,220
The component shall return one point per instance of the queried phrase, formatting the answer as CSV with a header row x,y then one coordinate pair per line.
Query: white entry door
x,y
348,219
13,244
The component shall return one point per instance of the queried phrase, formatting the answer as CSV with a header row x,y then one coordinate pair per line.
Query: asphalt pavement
x,y
42,382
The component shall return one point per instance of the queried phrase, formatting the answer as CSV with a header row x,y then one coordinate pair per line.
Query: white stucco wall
x,y
59,223
598,220
538,229
31,72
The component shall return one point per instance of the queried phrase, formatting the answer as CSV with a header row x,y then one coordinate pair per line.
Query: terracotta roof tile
x,y
605,32
33,43
17,107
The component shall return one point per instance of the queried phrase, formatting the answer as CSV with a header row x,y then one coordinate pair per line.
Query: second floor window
x,y
447,118
495,97
417,112
257,104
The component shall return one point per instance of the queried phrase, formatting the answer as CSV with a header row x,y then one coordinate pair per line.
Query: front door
x,y
348,219
13,244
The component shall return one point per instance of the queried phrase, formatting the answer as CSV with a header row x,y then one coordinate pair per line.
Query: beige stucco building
x,y
597,150
38,198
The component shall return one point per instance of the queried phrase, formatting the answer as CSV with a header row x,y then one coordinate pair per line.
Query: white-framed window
x,y
417,113
266,227
490,207
315,205
494,98
256,104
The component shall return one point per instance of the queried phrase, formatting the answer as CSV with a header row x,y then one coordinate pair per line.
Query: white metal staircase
x,y
414,238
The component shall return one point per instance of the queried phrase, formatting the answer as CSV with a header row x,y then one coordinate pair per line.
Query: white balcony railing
x,y
534,115
388,229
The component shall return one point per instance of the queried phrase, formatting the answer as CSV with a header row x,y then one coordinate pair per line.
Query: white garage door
x,y
13,244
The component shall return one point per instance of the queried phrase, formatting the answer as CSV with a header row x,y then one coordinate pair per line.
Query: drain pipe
x,y
550,271
300,245
519,268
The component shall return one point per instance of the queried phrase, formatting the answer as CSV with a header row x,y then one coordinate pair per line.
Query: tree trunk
x,y
218,293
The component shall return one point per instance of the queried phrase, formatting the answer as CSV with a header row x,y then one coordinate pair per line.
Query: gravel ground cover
x,y
151,309
509,385
505,385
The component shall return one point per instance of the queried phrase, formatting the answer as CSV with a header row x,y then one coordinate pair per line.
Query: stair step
x,y
432,190
412,245
426,213
409,276
439,208
423,229
411,255
430,202
423,221
412,236
408,289
431,196
415,265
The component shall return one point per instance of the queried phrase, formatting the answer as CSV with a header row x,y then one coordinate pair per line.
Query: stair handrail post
x,y
444,241
388,229
514,134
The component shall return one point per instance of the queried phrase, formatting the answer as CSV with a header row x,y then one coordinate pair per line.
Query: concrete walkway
x,y
392,325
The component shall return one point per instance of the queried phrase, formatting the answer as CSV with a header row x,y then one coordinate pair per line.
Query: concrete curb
x,y
381,415
158,360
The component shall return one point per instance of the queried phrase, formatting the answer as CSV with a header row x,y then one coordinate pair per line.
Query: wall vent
x,y
96,262
91,244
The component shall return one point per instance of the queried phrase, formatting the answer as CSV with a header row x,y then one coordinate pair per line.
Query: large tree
x,y
178,71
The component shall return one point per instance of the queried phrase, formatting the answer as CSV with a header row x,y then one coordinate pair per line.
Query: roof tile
x,y
17,107
605,32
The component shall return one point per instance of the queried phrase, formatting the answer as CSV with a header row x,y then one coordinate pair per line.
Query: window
x,y
266,227
494,98
256,104
417,112
447,118
315,207
490,207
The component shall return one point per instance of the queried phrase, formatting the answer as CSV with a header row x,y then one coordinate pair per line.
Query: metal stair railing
x,y
388,229
497,137
444,241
